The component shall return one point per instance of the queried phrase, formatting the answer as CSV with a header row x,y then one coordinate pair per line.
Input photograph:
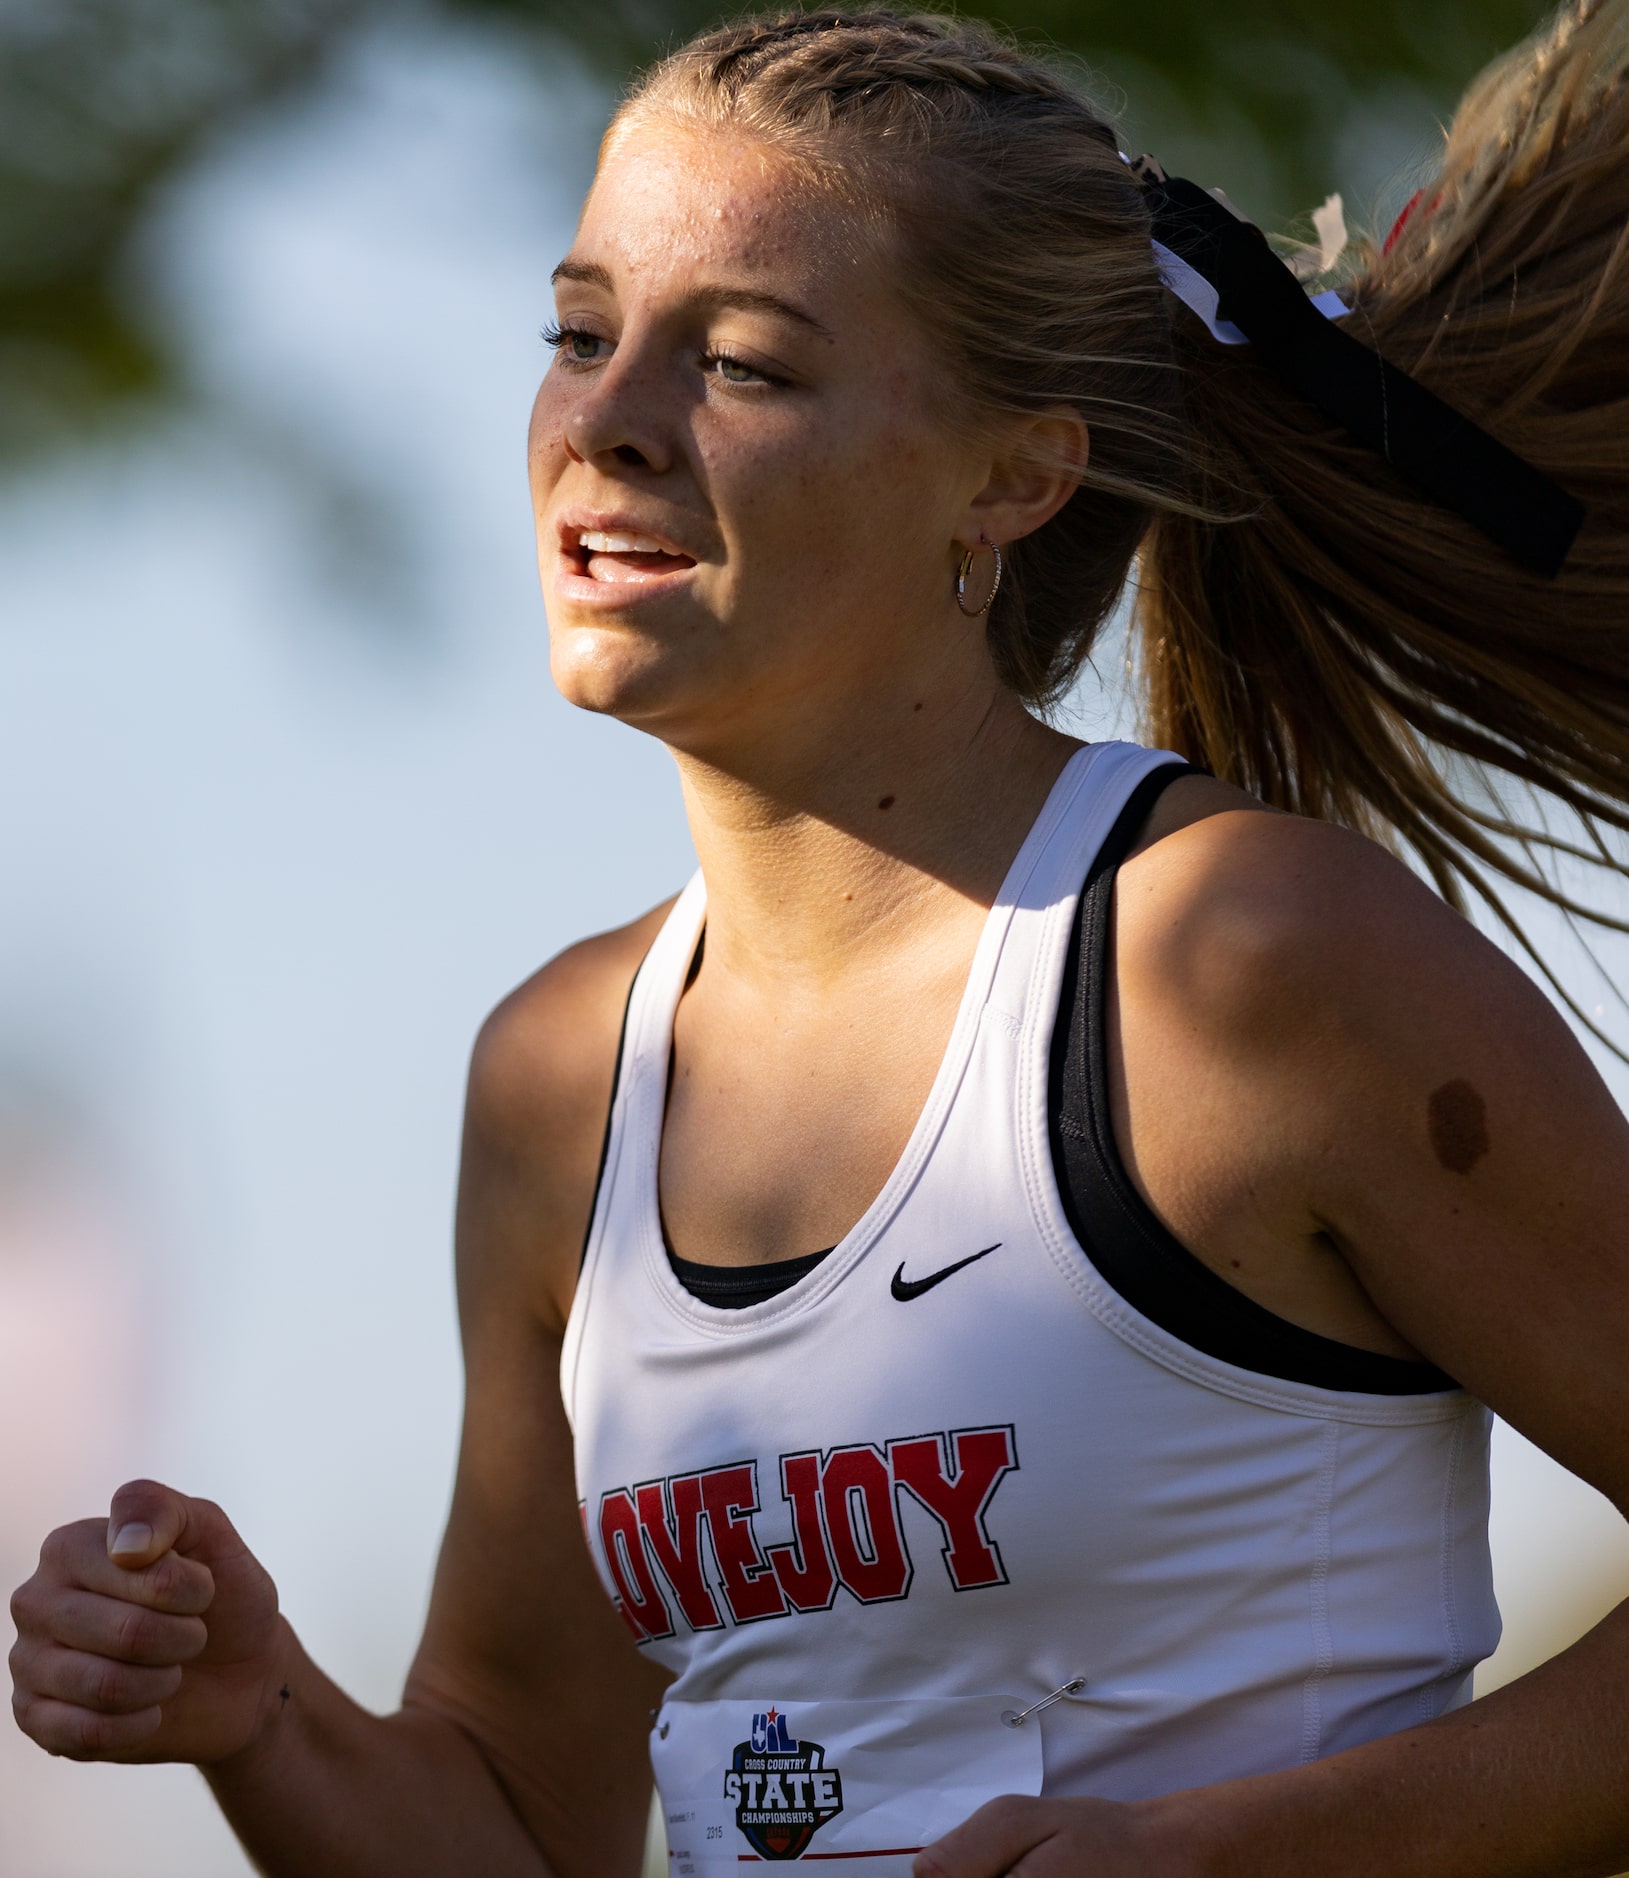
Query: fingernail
x,y
133,1537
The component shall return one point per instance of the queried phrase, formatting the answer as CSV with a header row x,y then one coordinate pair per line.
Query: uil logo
x,y
782,1789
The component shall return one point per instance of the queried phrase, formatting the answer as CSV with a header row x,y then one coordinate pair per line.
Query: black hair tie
x,y
1444,454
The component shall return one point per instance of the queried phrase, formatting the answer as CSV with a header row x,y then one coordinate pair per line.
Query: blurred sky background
x,y
288,800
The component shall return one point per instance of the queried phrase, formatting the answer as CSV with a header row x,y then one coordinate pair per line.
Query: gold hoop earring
x,y
961,584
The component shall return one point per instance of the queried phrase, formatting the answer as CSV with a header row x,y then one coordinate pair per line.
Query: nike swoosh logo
x,y
905,1288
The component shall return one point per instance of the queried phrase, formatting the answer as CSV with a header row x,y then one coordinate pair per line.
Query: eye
x,y
733,370
575,344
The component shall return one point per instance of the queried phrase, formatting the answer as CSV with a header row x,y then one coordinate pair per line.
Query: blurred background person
x,y
286,785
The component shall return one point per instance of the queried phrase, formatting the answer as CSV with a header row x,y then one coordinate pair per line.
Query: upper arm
x,y
1483,1195
1435,1114
522,1648
540,1088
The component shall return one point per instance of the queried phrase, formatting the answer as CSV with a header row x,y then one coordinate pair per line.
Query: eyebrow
x,y
591,274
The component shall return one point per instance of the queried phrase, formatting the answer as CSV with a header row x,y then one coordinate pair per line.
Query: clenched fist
x,y
149,1636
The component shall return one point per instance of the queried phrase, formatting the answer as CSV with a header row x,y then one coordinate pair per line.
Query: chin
x,y
616,670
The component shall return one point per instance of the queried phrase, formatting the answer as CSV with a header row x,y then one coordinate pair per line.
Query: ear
x,y
1035,467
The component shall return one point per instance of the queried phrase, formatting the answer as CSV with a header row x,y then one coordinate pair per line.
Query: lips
x,y
614,552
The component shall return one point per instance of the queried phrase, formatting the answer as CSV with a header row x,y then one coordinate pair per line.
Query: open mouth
x,y
623,559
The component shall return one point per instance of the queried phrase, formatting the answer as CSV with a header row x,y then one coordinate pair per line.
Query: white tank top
x,y
950,1474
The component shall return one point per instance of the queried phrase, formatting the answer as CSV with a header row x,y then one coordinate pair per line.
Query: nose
x,y
616,417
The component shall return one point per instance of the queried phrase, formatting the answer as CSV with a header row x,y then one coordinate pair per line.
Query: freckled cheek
x,y
791,510
542,420
890,481
545,442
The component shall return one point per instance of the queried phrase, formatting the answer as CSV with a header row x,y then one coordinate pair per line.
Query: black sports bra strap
x,y
1130,1247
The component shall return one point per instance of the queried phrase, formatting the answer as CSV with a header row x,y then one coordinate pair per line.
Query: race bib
x,y
867,1783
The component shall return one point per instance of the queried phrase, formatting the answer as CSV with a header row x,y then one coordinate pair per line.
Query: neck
x,y
842,843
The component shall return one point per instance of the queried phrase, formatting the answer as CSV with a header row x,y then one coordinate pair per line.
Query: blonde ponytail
x,y
1351,651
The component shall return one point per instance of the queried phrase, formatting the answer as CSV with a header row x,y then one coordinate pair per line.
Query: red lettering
x,y
846,1530
959,1503
670,1516
730,1497
804,1567
642,1607
858,1498
616,1603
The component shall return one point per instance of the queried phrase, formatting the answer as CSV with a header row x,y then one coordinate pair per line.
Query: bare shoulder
x,y
1259,921
550,1045
540,1087
1312,1042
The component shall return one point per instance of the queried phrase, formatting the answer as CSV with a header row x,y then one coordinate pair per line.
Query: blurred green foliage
x,y
105,104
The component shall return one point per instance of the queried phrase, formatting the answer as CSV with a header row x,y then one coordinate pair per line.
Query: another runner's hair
x,y
1308,625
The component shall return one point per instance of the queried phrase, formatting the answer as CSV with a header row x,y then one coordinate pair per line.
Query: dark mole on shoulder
x,y
887,802
1458,1121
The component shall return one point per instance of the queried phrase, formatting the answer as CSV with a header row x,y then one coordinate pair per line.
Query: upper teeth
x,y
619,544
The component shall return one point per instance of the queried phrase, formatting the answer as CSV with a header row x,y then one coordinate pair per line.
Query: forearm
x,y
329,1790
1531,1782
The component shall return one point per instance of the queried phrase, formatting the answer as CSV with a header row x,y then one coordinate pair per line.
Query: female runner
x,y
1025,1353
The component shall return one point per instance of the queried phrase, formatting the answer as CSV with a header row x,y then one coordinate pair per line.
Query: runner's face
x,y
744,501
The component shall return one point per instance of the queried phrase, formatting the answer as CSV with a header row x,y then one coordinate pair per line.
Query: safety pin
x,y
1016,1717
